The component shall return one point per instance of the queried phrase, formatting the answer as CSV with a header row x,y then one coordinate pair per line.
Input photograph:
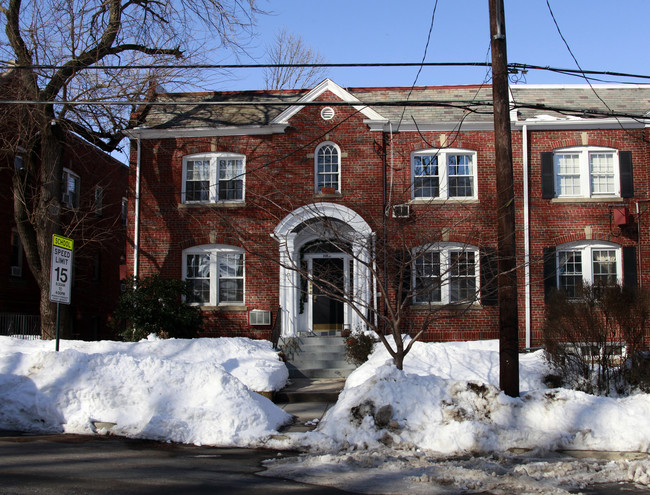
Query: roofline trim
x,y
581,86
384,125
258,130
607,123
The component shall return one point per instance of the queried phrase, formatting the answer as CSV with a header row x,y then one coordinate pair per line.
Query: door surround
x,y
307,224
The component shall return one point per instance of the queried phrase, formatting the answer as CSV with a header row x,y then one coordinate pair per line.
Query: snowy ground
x,y
439,426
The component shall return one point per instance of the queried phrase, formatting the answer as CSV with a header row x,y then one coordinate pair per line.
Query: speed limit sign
x,y
61,269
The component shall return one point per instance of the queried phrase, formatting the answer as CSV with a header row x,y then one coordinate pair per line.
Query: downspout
x,y
384,219
136,233
527,301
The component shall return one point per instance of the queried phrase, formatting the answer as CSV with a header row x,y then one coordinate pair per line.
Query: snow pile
x,y
446,401
254,362
190,391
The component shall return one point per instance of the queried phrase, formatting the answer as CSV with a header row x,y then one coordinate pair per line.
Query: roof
x,y
218,109
581,100
409,106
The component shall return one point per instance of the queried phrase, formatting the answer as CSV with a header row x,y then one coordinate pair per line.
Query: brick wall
x,y
280,178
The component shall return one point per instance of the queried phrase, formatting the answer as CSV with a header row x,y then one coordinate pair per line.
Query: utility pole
x,y
506,245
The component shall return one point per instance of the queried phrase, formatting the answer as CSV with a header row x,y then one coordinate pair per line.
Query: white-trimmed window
x,y
327,164
446,273
215,274
585,172
213,177
71,188
443,174
591,262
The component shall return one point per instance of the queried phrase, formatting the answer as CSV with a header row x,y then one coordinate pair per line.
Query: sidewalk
x,y
308,399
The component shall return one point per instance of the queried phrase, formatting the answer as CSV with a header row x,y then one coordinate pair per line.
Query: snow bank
x,y
190,391
254,362
445,400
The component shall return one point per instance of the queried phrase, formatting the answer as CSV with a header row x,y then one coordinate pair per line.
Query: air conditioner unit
x,y
259,317
401,211
16,271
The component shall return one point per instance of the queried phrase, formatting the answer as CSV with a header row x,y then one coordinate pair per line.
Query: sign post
x,y
60,275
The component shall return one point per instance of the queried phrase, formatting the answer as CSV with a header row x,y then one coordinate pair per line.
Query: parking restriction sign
x,y
61,269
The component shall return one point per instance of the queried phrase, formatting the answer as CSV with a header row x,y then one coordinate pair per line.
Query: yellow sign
x,y
63,242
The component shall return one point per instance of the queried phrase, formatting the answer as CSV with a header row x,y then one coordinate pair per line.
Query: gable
x,y
336,90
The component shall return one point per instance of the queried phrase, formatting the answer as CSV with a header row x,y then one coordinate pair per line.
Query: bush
x,y
155,305
594,340
358,346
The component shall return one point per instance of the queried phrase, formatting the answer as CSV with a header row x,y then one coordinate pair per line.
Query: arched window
x,y
597,263
215,274
327,168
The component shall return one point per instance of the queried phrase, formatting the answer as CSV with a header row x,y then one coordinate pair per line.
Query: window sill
x,y
444,306
221,204
440,201
328,196
225,308
599,199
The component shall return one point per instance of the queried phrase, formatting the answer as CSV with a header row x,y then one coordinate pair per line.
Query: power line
x,y
10,65
473,105
514,66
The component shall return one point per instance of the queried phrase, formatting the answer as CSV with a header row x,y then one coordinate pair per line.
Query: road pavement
x,y
77,464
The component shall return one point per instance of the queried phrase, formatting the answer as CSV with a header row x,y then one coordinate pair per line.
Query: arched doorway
x,y
325,280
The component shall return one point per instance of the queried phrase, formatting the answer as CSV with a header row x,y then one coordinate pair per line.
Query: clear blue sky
x,y
603,35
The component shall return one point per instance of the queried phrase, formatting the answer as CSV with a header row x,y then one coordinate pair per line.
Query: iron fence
x,y
20,326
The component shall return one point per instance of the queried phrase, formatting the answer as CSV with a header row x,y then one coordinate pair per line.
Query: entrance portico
x,y
325,280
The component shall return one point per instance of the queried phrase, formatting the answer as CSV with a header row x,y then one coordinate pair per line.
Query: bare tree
x,y
66,53
286,53
395,278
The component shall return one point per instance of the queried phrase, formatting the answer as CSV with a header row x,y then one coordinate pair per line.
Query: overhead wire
x,y
6,65
408,96
587,79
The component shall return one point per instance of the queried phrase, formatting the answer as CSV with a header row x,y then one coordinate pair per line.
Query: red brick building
x,y
94,201
238,192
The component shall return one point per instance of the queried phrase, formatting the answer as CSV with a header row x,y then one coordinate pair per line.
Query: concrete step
x,y
337,341
318,373
311,362
303,390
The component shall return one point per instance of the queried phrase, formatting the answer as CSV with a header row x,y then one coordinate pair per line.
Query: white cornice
x,y
332,87
576,124
148,133
385,126
541,125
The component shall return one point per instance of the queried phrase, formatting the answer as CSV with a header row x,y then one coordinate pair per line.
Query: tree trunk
x,y
47,220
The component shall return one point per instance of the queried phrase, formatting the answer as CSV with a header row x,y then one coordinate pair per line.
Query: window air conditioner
x,y
16,271
259,317
401,211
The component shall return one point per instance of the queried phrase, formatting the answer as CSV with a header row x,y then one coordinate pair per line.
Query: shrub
x,y
155,305
358,346
594,340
